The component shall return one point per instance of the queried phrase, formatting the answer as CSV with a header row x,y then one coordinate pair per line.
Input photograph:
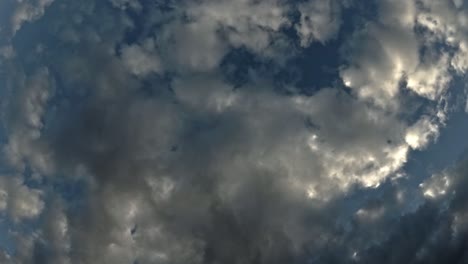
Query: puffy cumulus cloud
x,y
447,23
383,52
250,23
200,38
22,12
398,51
52,243
430,81
436,186
234,153
180,166
370,143
141,60
192,46
319,21
19,201
418,135
23,119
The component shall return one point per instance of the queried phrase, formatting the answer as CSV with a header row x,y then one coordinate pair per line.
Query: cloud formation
x,y
124,142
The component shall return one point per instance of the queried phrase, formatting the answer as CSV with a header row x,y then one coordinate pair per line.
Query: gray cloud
x,y
319,20
180,166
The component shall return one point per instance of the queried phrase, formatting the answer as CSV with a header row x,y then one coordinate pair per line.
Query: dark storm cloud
x,y
181,166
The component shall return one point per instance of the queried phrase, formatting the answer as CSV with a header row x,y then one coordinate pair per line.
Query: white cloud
x,y
448,24
418,135
352,142
430,80
351,146
18,200
27,11
386,54
198,169
204,93
436,186
213,27
319,21
194,46
24,121
383,54
142,59
460,60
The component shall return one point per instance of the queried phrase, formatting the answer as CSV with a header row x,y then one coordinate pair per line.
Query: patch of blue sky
x,y
448,148
6,242
8,229
71,191
439,155
312,68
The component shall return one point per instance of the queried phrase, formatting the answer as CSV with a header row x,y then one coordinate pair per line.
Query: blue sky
x,y
240,131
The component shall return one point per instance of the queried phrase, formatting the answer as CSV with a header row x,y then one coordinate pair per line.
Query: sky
x,y
233,131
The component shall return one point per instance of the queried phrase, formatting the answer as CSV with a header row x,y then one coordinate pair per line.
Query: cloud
x,y
390,52
18,200
24,120
198,41
418,135
435,231
141,60
319,21
26,11
180,166
382,53
7,52
123,4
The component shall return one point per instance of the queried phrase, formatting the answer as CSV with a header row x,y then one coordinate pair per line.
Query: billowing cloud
x,y
141,60
18,200
319,21
23,12
124,142
23,119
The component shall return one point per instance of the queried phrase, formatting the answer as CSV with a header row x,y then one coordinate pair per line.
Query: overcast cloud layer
x,y
232,131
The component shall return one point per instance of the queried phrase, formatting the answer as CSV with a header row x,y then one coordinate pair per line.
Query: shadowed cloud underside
x,y
233,131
